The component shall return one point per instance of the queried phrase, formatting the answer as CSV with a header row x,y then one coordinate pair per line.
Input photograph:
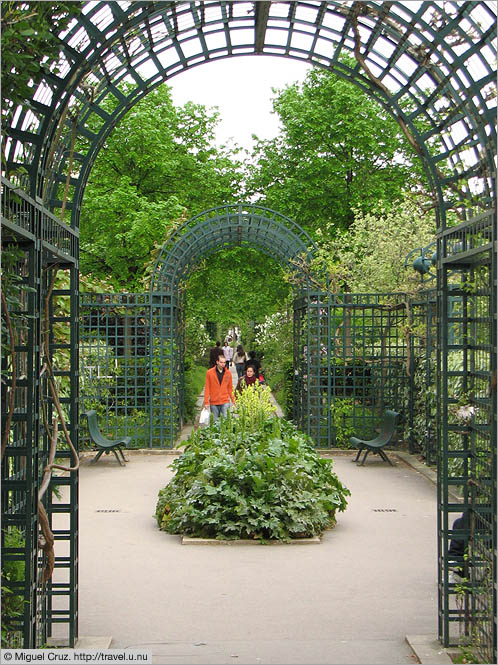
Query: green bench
x,y
105,445
389,421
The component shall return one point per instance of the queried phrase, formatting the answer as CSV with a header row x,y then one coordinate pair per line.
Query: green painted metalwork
x,y
132,345
115,364
45,245
420,59
467,431
213,230
350,363
430,64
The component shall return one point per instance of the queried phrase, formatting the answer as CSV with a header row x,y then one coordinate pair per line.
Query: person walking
x,y
239,360
227,352
214,353
248,379
253,362
218,389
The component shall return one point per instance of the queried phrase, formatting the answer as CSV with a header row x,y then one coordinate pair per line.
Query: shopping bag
x,y
204,417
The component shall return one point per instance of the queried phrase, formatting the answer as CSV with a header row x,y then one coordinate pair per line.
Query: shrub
x,y
12,588
195,378
250,477
342,411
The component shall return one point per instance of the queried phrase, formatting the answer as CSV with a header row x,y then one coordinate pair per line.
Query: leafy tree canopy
x,y
338,151
159,167
369,257
30,46
236,286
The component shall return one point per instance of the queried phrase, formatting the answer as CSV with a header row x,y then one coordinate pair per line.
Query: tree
x,y
30,47
338,151
235,287
158,168
370,255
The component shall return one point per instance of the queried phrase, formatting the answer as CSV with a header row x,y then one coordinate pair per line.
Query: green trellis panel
x,y
45,245
350,353
115,364
422,412
467,446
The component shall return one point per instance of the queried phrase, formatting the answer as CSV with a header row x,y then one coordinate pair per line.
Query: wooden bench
x,y
105,445
389,421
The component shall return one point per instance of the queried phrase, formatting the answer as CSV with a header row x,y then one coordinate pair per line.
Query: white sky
x,y
241,88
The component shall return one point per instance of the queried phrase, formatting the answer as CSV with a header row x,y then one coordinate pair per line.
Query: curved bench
x,y
389,421
105,445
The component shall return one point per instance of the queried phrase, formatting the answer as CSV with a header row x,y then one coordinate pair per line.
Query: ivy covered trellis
x,y
436,59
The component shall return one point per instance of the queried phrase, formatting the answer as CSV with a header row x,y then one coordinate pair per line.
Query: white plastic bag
x,y
204,417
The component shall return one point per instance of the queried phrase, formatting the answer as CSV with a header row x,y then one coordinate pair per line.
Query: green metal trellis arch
x,y
229,226
424,56
430,64
213,230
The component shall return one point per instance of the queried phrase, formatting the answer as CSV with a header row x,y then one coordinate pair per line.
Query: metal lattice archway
x,y
212,231
432,65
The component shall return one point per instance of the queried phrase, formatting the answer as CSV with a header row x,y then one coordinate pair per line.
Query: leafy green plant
x,y
12,575
342,421
465,655
253,408
194,383
250,478
274,343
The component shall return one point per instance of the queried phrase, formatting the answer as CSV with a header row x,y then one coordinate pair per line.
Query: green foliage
x,y
281,383
194,383
12,575
465,655
236,286
265,484
342,411
338,152
30,47
253,408
197,341
157,168
15,291
423,403
274,343
370,256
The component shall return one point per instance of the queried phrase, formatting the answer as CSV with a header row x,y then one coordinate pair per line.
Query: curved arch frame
x,y
431,64
211,231
228,226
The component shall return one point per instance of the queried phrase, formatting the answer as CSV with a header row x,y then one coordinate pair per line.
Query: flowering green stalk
x,y
254,407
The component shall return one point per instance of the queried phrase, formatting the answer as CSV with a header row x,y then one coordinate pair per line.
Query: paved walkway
x,y
352,598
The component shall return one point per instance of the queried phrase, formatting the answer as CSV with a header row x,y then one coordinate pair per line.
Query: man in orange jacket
x,y
218,389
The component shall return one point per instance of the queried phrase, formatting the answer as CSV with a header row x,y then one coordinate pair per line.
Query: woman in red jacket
x,y
218,389
248,379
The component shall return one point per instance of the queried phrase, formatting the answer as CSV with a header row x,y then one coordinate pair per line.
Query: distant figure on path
x,y
253,362
214,353
227,352
239,359
218,389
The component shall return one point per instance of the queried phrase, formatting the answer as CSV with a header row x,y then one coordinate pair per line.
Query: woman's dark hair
x,y
252,355
240,349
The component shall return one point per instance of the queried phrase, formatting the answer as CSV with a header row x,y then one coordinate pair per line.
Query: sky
x,y
242,89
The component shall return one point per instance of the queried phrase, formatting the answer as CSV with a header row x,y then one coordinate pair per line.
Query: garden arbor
x,y
430,64
132,345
